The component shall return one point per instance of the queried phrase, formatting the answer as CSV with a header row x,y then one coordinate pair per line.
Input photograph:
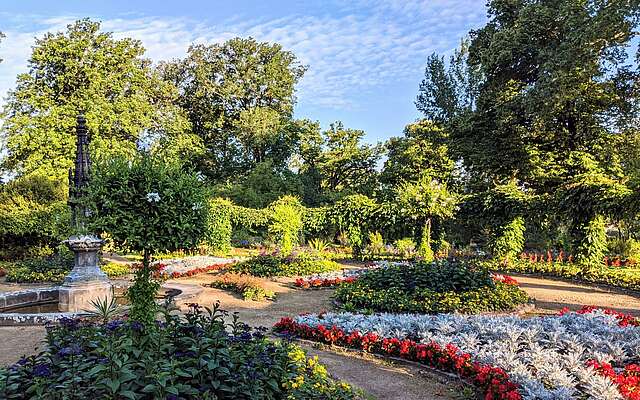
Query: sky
x,y
366,58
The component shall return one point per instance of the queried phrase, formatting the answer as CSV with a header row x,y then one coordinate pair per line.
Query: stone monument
x,y
86,282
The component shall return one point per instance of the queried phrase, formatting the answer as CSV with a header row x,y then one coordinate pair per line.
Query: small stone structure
x,y
86,282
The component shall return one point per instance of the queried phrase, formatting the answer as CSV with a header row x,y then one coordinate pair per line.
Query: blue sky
x,y
365,58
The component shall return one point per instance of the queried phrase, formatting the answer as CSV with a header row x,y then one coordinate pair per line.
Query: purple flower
x,y
136,326
72,350
41,371
113,325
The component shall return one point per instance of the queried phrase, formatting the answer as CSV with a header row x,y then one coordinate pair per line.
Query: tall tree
x,y
83,69
424,148
239,98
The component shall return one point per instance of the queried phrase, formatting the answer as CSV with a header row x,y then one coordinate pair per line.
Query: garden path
x,y
390,381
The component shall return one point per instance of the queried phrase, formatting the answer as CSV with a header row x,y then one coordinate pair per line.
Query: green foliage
x,y
437,287
262,186
424,148
239,97
34,216
147,206
83,69
354,215
375,244
626,248
590,250
318,245
105,309
406,247
510,241
219,228
268,266
196,356
43,269
285,224
626,278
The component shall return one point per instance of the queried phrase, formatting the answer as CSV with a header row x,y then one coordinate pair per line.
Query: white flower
x,y
196,206
153,197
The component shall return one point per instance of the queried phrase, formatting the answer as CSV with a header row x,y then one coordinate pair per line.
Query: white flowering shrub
x,y
546,356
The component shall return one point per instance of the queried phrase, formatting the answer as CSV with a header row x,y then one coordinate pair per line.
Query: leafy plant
x,y
436,287
510,242
285,222
116,270
148,206
406,247
318,245
105,309
294,265
192,356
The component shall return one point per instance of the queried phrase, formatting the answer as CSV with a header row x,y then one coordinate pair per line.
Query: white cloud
x,y
358,49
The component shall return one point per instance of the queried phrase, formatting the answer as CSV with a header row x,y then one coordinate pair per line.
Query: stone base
x,y
78,297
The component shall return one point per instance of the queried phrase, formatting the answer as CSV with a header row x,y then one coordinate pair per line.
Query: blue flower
x,y
113,325
136,326
72,350
41,371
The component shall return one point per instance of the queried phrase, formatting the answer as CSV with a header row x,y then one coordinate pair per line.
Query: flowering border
x,y
623,319
627,380
317,283
493,381
175,275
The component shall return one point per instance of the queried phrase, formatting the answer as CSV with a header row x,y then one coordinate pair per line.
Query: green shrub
x,y
116,270
285,222
406,247
436,287
375,246
34,217
147,206
626,278
509,240
295,265
591,245
192,357
44,269
219,227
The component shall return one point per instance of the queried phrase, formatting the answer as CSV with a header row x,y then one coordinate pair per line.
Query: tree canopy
x,y
83,69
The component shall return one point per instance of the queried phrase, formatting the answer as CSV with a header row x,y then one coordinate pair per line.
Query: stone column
x,y
86,282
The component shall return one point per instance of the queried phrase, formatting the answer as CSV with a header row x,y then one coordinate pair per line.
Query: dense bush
x,y
148,206
250,287
294,265
196,357
43,269
626,278
510,240
436,287
285,222
34,216
219,228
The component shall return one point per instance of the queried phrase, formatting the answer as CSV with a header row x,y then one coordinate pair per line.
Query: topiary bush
x,y
430,287
219,228
189,357
147,206
510,241
285,222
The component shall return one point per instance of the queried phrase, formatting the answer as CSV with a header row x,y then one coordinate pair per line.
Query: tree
x,y
346,164
421,202
83,69
148,206
424,148
239,98
555,81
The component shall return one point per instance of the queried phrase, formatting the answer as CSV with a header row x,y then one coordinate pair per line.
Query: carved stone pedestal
x,y
86,282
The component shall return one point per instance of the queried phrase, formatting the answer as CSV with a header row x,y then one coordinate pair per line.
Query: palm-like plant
x,y
105,309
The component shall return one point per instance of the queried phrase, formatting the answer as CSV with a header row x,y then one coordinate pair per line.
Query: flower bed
x,y
197,357
431,288
626,278
270,265
200,270
547,357
250,287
